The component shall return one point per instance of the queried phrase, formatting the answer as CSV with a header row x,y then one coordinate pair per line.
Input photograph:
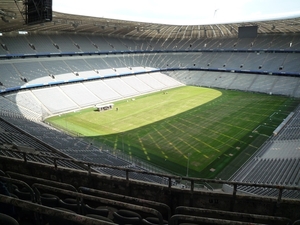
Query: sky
x,y
182,12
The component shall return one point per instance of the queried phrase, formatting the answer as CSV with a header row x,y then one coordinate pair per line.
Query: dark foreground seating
x,y
7,220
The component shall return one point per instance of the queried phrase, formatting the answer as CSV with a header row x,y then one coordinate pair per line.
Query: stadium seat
x,y
2,173
98,217
7,220
153,221
23,194
55,221
188,224
96,211
49,200
123,217
227,215
69,204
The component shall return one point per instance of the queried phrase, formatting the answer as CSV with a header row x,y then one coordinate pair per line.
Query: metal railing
x,y
37,208
171,179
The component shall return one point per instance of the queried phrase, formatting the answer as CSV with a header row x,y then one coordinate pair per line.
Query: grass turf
x,y
191,130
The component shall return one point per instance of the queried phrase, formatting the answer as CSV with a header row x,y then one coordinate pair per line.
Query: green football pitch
x,y
186,130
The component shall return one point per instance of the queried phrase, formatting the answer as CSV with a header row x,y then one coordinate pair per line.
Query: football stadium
x,y
115,121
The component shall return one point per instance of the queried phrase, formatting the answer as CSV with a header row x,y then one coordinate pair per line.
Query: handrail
x,y
235,184
175,218
79,219
185,210
11,180
43,181
103,201
38,196
124,197
48,54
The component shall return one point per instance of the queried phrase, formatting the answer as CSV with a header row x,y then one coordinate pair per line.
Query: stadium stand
x,y
31,191
51,73
9,76
54,99
276,162
79,94
71,146
48,71
17,45
42,43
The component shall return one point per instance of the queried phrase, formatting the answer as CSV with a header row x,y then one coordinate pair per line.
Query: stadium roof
x,y
187,12
12,21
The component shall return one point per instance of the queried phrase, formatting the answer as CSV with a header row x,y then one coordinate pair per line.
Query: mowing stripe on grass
x,y
212,125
